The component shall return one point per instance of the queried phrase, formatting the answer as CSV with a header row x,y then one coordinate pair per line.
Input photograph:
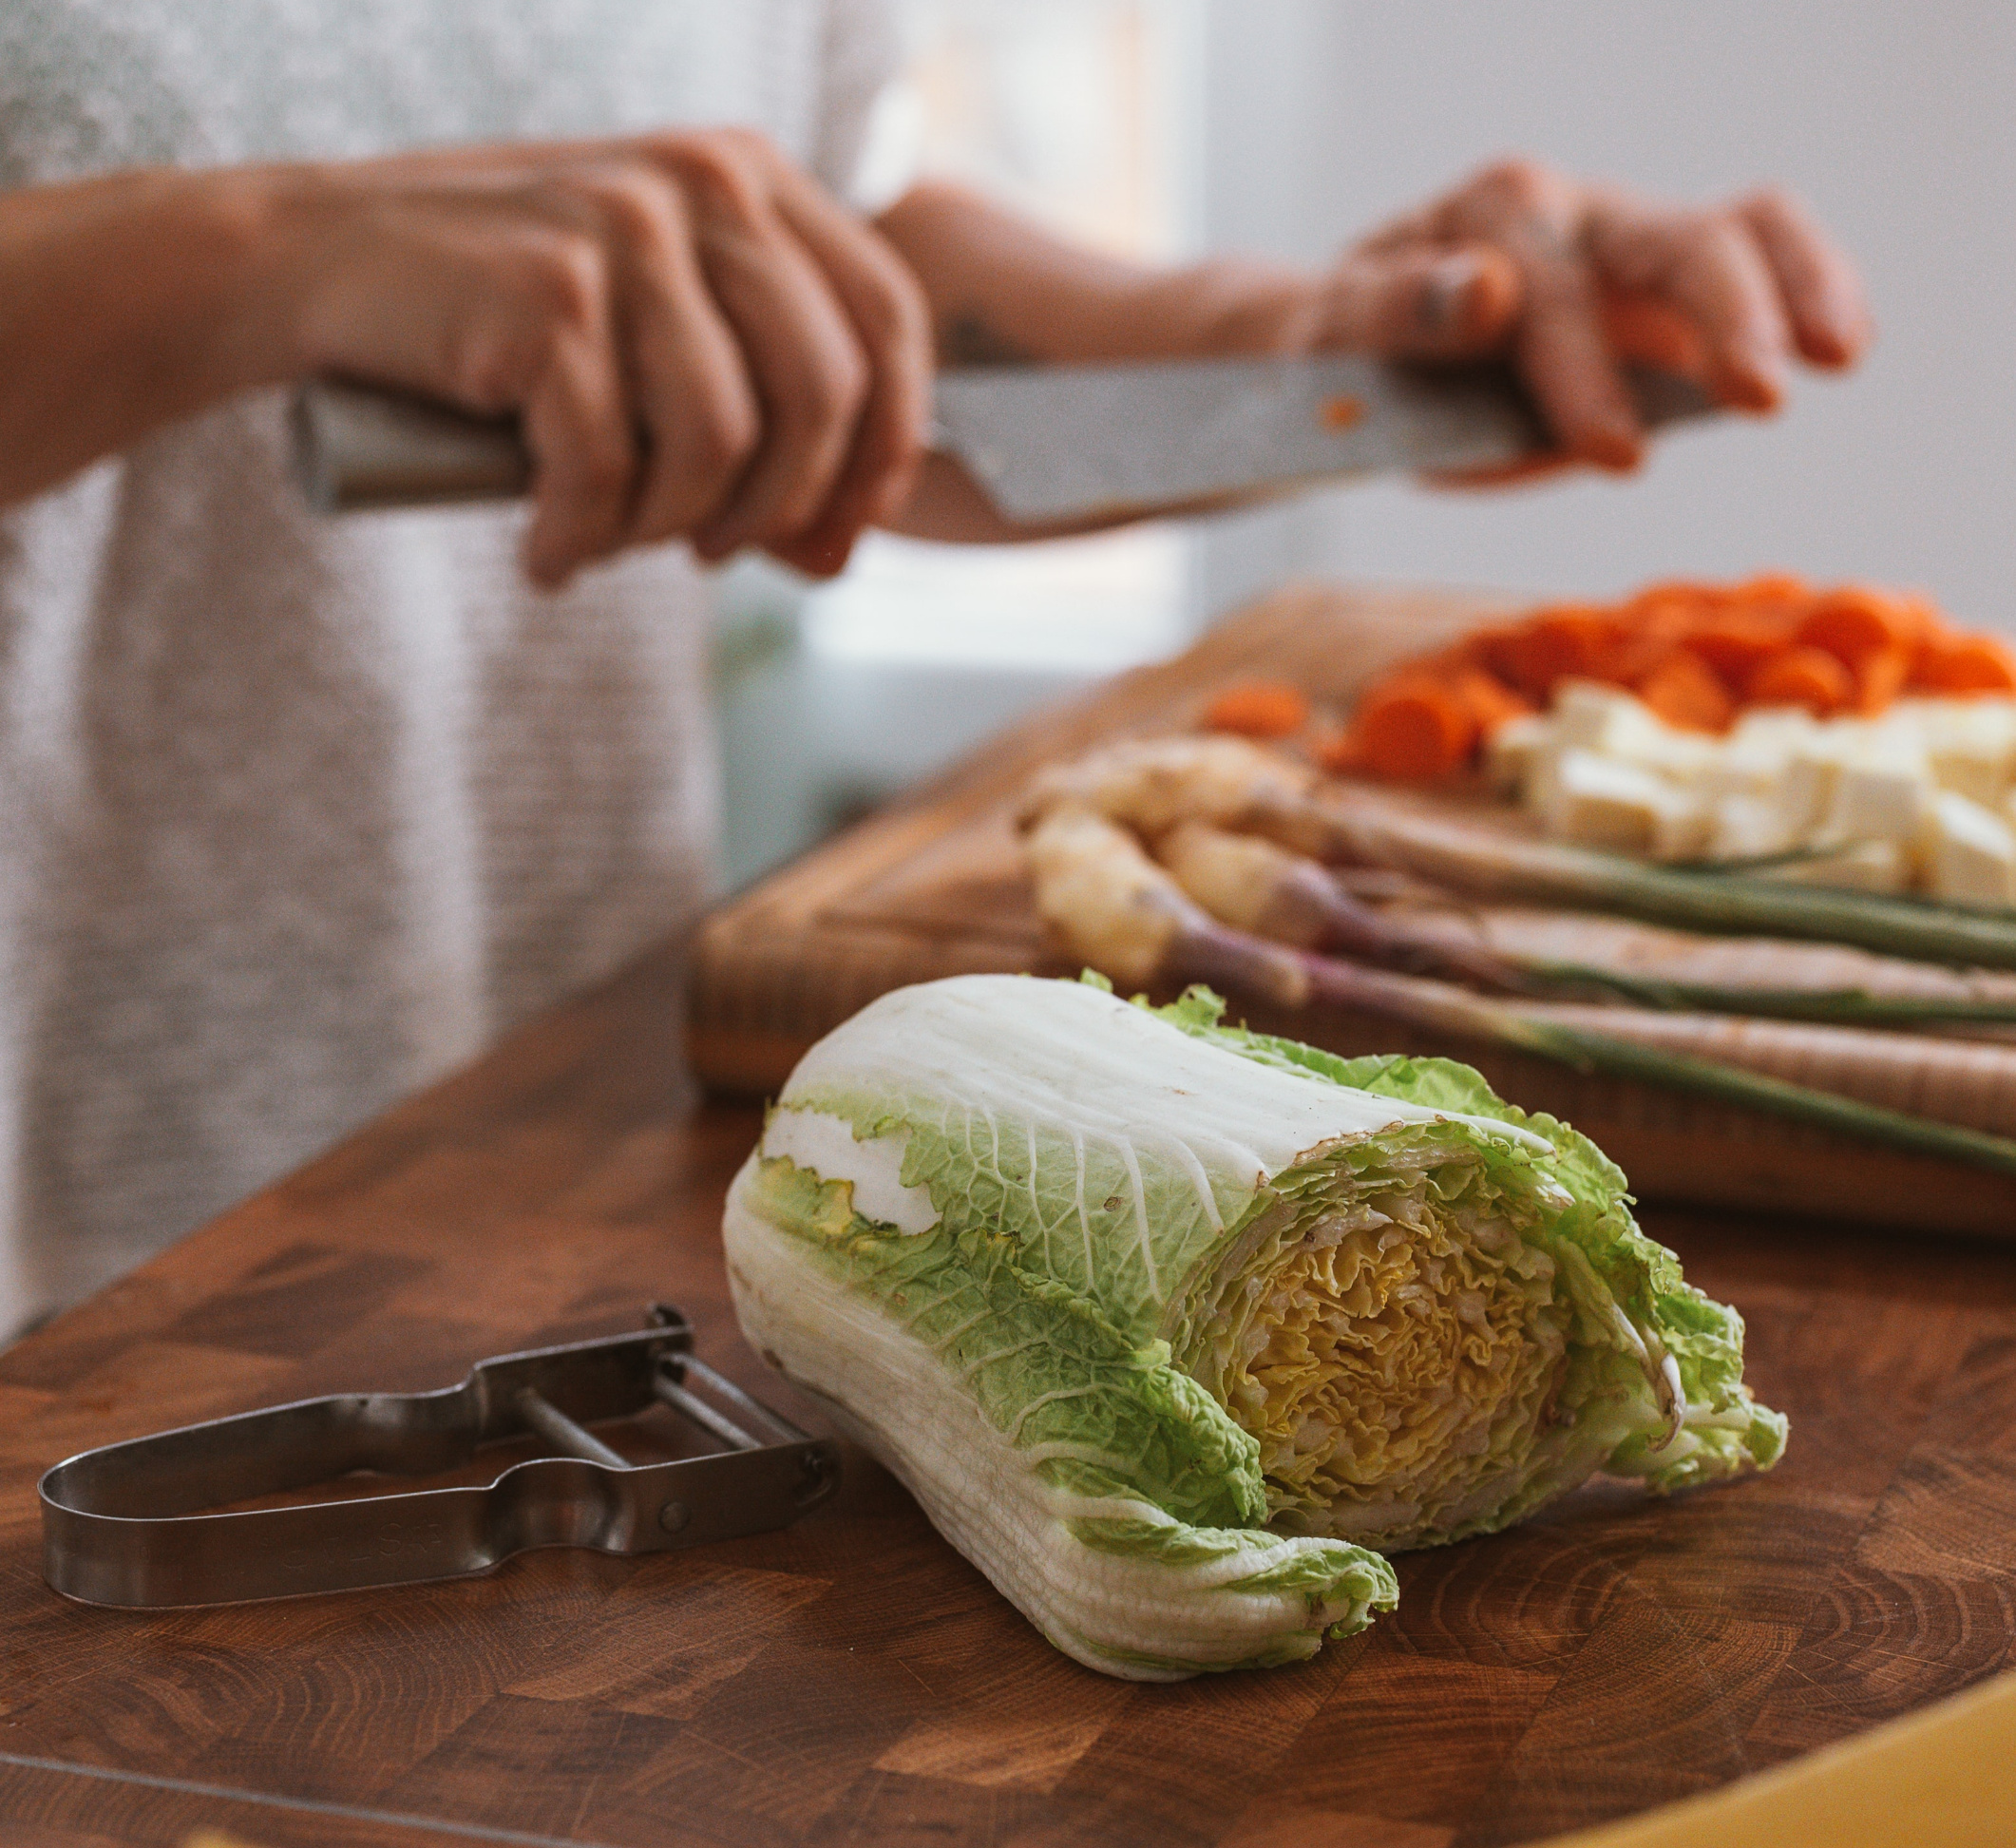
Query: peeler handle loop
x,y
134,1524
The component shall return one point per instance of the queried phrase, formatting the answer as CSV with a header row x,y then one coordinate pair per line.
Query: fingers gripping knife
x,y
124,1524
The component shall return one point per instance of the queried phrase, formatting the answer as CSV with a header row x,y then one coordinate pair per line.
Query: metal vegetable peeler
x,y
123,1524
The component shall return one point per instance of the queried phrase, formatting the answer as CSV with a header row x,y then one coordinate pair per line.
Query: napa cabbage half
x,y
1176,1330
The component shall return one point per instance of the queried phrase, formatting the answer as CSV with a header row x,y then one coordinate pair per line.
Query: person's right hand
x,y
699,342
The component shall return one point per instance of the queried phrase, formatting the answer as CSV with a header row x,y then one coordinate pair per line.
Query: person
x,y
300,813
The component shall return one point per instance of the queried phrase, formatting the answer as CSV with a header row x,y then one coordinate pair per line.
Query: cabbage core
x,y
1390,1363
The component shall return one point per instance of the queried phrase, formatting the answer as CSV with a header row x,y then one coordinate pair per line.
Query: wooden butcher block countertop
x,y
852,1680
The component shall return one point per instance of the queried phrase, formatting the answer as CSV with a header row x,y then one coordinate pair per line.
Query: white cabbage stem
x,y
1126,1614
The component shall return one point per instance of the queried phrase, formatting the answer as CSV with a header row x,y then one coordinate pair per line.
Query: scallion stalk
x,y
1836,1006
1220,954
1718,903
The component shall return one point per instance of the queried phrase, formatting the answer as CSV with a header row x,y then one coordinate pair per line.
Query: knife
x,y
1045,443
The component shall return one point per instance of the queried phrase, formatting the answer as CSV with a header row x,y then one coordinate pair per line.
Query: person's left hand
x,y
1566,277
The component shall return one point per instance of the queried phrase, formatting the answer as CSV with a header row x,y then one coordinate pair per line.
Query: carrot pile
x,y
1696,654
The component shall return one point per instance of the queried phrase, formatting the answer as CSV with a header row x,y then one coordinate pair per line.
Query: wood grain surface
x,y
936,887
852,1680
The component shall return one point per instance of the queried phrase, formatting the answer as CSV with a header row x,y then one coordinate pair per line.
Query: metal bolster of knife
x,y
127,1524
357,447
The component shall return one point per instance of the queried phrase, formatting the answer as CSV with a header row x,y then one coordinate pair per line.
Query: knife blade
x,y
1056,444
1045,443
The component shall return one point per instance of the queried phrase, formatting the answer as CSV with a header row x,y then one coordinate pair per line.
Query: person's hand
x,y
698,341
1566,277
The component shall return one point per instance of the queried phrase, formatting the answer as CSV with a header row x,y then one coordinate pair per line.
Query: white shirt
x,y
297,814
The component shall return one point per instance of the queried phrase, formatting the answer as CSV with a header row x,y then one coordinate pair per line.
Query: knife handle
x,y
356,447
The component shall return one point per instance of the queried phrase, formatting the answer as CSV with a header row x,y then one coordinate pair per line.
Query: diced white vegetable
x,y
1775,727
1607,803
1682,757
1537,793
1614,724
1741,770
1879,797
1752,758
1803,794
1605,719
1970,851
1682,829
1745,827
1512,749
1605,770
1972,746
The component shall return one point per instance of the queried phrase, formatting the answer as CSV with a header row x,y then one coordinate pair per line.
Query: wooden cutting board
x,y
934,887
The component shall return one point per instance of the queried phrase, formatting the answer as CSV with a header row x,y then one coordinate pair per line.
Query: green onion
x,y
1841,1006
1125,916
1438,1005
1719,904
1220,954
1732,905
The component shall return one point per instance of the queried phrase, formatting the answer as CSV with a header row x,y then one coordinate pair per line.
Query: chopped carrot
x,y
1696,654
1930,618
1341,753
1491,702
1579,638
1853,622
1662,622
1683,690
1444,662
1737,641
1802,675
1696,595
1771,587
1651,625
1562,643
1495,649
1640,326
1415,728
1880,675
1965,664
1675,603
1258,709
1639,650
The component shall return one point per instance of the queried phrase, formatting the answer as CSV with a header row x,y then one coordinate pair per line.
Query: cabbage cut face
x,y
1175,1329
1391,1350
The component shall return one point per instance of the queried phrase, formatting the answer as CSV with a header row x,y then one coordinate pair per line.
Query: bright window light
x,y
1073,110
1076,605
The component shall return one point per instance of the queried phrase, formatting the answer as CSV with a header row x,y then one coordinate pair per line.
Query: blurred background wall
x,y
1164,128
